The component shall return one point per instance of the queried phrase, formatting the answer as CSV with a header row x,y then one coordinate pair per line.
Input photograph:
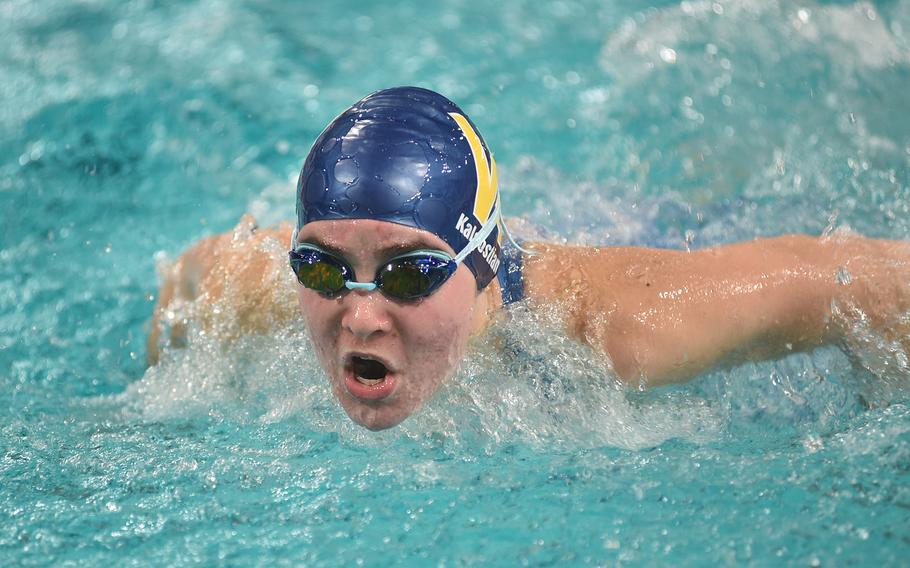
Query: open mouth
x,y
368,378
368,371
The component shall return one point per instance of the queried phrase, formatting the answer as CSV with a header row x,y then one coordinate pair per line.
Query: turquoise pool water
x,y
130,129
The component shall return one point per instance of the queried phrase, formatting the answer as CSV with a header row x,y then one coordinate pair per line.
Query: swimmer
x,y
401,257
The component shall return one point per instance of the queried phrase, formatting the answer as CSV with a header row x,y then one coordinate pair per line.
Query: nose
x,y
366,314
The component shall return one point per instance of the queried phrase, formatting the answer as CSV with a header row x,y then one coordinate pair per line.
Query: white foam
x,y
551,392
854,36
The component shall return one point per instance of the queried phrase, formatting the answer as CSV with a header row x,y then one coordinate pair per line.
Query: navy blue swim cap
x,y
409,156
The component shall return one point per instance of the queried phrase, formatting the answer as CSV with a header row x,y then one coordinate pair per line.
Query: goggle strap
x,y
505,229
481,235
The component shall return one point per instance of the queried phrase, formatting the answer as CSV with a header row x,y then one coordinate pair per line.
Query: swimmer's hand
x,y
665,316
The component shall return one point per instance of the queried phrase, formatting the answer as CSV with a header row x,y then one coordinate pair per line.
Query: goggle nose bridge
x,y
368,286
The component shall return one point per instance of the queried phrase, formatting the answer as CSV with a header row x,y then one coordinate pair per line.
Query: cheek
x,y
434,351
318,317
440,335
444,326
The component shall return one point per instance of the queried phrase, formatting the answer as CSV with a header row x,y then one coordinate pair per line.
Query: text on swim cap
x,y
486,250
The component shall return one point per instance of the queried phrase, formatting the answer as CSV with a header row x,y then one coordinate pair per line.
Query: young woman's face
x,y
385,357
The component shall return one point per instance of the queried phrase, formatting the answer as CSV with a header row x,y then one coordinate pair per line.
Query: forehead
x,y
365,236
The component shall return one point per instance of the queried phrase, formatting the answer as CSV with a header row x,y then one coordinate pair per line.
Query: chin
x,y
379,414
375,419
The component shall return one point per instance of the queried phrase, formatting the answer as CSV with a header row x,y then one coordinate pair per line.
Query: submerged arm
x,y
665,316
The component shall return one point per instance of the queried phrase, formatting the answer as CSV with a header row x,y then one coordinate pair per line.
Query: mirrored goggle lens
x,y
318,272
407,277
414,277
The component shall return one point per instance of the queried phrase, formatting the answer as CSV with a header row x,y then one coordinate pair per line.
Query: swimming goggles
x,y
415,274
410,276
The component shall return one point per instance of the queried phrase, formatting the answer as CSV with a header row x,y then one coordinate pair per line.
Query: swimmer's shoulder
x,y
581,277
243,264
237,280
552,268
253,254
250,272
247,232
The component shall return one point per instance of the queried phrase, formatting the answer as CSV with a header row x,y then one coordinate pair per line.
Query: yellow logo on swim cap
x,y
487,181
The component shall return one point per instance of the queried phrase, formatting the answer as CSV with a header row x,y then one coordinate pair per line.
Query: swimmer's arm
x,y
665,316
237,281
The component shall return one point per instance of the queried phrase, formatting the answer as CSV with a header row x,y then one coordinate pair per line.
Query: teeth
x,y
368,371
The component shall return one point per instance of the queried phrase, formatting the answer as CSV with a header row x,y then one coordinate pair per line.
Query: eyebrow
x,y
319,243
385,252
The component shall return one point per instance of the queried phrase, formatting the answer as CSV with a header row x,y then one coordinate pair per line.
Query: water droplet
x,y
813,443
832,223
843,276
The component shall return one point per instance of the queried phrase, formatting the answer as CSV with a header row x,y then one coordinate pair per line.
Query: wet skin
x,y
656,315
419,343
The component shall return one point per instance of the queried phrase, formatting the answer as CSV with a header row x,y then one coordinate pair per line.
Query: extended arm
x,y
664,316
